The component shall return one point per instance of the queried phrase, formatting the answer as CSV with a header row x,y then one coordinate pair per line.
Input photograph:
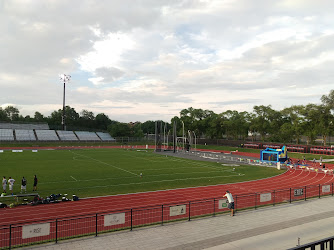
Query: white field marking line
x,y
156,158
161,158
146,175
105,163
148,182
175,159
197,164
73,178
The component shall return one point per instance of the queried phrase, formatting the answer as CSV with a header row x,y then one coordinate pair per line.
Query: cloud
x,y
138,60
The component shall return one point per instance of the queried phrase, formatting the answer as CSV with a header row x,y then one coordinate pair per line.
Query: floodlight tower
x,y
65,79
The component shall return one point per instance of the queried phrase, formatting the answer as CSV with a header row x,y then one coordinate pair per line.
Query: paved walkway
x,y
267,228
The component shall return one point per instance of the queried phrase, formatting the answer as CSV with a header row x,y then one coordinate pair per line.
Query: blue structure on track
x,y
274,155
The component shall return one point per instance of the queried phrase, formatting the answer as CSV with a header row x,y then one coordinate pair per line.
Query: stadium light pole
x,y
182,134
65,79
195,139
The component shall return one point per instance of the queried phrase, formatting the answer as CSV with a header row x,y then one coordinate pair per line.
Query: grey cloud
x,y
109,74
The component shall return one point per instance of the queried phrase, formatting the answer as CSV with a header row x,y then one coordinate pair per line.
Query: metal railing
x,y
40,231
327,243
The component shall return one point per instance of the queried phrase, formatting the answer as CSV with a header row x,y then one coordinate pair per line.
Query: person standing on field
x,y
35,183
4,184
23,185
230,199
11,182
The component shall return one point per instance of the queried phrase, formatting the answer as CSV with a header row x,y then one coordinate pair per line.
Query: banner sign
x,y
34,151
177,210
114,219
223,203
35,230
299,192
17,150
326,188
265,197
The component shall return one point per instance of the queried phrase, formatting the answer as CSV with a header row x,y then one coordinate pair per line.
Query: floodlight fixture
x,y
64,79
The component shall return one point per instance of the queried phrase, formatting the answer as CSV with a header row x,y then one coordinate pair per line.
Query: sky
x,y
140,60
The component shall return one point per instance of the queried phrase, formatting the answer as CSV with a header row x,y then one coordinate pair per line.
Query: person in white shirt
x,y
230,199
11,184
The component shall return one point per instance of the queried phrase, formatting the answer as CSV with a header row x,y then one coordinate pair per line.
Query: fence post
x,y
131,219
162,215
332,188
56,231
214,206
290,195
189,210
274,199
255,200
305,192
319,191
96,225
235,203
10,236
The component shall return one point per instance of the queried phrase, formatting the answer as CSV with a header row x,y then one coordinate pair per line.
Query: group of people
x,y
11,182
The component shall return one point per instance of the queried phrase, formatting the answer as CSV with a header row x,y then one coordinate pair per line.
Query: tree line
x,y
264,122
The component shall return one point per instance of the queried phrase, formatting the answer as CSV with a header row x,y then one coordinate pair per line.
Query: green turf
x,y
97,172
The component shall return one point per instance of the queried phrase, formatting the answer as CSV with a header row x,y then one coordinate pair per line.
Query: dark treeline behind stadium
x,y
264,123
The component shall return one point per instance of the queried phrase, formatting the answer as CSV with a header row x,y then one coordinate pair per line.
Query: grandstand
x,y
46,135
25,132
105,136
66,135
6,134
87,136
25,135
27,126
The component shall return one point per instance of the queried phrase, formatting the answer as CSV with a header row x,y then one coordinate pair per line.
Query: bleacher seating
x,y
6,135
87,136
27,126
46,135
105,136
66,135
25,135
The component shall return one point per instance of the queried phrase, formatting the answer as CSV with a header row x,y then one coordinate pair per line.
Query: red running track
x,y
291,178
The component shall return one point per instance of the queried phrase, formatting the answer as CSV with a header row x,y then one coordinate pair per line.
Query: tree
x,y
148,127
260,122
102,121
328,100
38,117
311,118
12,113
294,116
236,124
87,118
3,115
215,127
119,129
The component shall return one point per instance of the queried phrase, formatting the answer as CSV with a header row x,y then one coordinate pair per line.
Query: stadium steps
x,y
35,134
98,136
58,135
14,134
76,136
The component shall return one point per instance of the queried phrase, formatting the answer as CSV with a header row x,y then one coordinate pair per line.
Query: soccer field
x,y
98,172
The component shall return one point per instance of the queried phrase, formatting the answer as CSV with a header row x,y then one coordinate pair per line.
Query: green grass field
x,y
98,172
